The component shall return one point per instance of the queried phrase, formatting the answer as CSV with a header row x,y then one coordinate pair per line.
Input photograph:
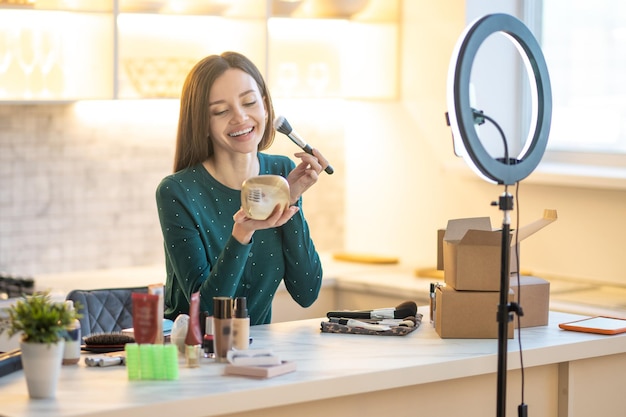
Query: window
x,y
584,44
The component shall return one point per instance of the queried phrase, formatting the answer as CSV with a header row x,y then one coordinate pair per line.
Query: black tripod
x,y
462,119
505,309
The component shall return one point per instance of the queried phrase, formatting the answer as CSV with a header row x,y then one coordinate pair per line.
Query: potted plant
x,y
43,325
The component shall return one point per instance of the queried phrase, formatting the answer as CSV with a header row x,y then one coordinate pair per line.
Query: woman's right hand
x,y
244,226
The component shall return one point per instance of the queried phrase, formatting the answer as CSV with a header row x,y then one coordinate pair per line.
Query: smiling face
x,y
237,113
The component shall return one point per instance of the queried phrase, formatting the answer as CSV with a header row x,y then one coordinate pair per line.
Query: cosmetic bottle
x,y
222,327
158,290
241,325
71,352
208,339
145,317
193,340
432,303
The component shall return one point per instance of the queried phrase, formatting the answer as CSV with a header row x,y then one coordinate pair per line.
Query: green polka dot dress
x,y
196,215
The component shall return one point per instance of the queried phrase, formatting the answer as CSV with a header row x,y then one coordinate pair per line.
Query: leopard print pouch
x,y
330,327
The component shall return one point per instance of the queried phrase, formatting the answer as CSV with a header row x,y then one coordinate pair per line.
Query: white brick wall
x,y
78,193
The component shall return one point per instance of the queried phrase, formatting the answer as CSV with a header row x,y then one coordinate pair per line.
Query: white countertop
x,y
391,279
396,280
328,366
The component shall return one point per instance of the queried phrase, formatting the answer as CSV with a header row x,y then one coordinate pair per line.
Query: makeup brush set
x,y
393,321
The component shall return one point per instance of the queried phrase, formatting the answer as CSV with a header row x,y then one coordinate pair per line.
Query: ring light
x,y
461,115
462,118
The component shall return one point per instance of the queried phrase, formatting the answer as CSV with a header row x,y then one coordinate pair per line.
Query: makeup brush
x,y
402,310
282,125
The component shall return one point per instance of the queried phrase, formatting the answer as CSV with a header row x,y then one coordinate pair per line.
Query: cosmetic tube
x,y
241,325
193,340
145,317
157,289
222,327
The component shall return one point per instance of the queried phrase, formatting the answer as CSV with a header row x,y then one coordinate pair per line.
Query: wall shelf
x,y
67,50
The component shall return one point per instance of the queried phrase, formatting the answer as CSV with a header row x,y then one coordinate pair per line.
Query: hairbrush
x,y
106,342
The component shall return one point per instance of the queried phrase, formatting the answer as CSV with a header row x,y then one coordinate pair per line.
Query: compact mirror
x,y
261,194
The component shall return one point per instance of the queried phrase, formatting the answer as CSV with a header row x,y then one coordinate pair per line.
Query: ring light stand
x,y
507,171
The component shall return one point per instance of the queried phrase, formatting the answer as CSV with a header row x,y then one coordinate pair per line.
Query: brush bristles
x,y
405,309
282,125
96,339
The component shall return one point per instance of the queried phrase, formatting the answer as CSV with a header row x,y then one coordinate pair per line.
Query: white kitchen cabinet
x,y
65,50
56,53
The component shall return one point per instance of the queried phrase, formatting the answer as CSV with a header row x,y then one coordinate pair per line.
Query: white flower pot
x,y
42,366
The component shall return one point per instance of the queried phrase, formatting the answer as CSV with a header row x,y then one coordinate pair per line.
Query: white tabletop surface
x,y
392,279
328,365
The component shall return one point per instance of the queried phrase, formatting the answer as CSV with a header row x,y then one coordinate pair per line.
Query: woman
x,y
211,246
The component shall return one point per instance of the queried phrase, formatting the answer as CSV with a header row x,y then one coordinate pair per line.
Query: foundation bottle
x,y
241,325
222,327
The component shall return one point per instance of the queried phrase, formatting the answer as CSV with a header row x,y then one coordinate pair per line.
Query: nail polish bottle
x,y
241,325
208,340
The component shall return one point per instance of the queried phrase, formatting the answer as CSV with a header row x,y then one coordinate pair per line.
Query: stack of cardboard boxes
x,y
470,254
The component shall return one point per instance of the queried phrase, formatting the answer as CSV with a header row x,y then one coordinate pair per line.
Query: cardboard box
x,y
440,234
472,251
535,299
468,314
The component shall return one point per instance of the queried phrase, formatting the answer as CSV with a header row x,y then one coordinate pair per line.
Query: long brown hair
x,y
193,144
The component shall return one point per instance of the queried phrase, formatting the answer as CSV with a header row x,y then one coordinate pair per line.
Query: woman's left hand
x,y
306,173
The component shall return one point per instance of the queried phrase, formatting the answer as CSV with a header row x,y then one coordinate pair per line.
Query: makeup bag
x,y
328,327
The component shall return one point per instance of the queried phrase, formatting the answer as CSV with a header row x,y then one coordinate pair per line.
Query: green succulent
x,y
39,319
